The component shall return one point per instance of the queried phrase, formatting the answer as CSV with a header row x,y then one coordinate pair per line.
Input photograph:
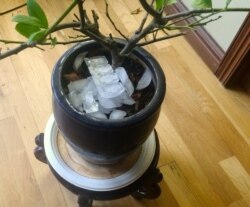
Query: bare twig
x,y
150,10
14,51
24,45
181,20
202,18
165,32
112,22
81,13
160,39
200,23
66,26
58,21
13,9
202,11
143,21
77,36
44,43
77,18
88,28
142,24
95,18
155,34
137,37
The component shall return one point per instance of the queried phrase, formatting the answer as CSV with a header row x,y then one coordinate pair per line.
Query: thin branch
x,y
36,46
77,36
142,24
198,24
202,18
77,18
45,43
82,13
181,19
13,9
202,11
143,21
155,34
112,22
137,37
165,32
95,18
57,22
14,50
24,45
160,39
87,28
66,26
11,41
148,8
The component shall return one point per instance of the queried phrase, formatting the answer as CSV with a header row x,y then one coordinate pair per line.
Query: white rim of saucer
x,y
106,184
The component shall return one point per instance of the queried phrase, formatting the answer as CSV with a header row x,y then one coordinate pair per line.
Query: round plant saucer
x,y
76,170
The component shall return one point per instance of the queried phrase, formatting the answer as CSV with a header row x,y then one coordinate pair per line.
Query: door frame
x,y
229,67
235,65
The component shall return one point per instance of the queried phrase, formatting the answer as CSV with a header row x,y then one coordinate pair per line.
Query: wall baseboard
x,y
202,42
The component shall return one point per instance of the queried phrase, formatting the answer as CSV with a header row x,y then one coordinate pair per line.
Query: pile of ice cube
x,y
105,90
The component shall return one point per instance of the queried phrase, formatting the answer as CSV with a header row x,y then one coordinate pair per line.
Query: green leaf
x,y
37,36
159,4
202,4
27,20
35,10
26,30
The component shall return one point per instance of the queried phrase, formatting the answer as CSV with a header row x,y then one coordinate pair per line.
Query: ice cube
x,y
126,82
74,98
77,85
108,103
110,90
90,86
117,114
97,61
109,78
98,72
144,80
98,115
90,105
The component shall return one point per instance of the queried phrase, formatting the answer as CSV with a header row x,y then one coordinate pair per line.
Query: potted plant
x,y
109,140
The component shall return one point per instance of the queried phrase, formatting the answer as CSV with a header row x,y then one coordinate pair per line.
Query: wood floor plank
x,y
124,15
166,198
174,149
179,186
234,104
28,130
17,177
240,203
185,109
238,176
5,111
204,106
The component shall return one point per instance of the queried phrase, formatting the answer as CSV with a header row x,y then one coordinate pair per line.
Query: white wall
x,y
224,29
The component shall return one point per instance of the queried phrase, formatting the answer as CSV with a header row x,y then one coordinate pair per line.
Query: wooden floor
x,y
204,128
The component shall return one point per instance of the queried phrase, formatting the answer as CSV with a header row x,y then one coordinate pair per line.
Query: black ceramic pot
x,y
105,138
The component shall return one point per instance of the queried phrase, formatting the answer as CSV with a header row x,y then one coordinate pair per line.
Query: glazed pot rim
x,y
143,114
